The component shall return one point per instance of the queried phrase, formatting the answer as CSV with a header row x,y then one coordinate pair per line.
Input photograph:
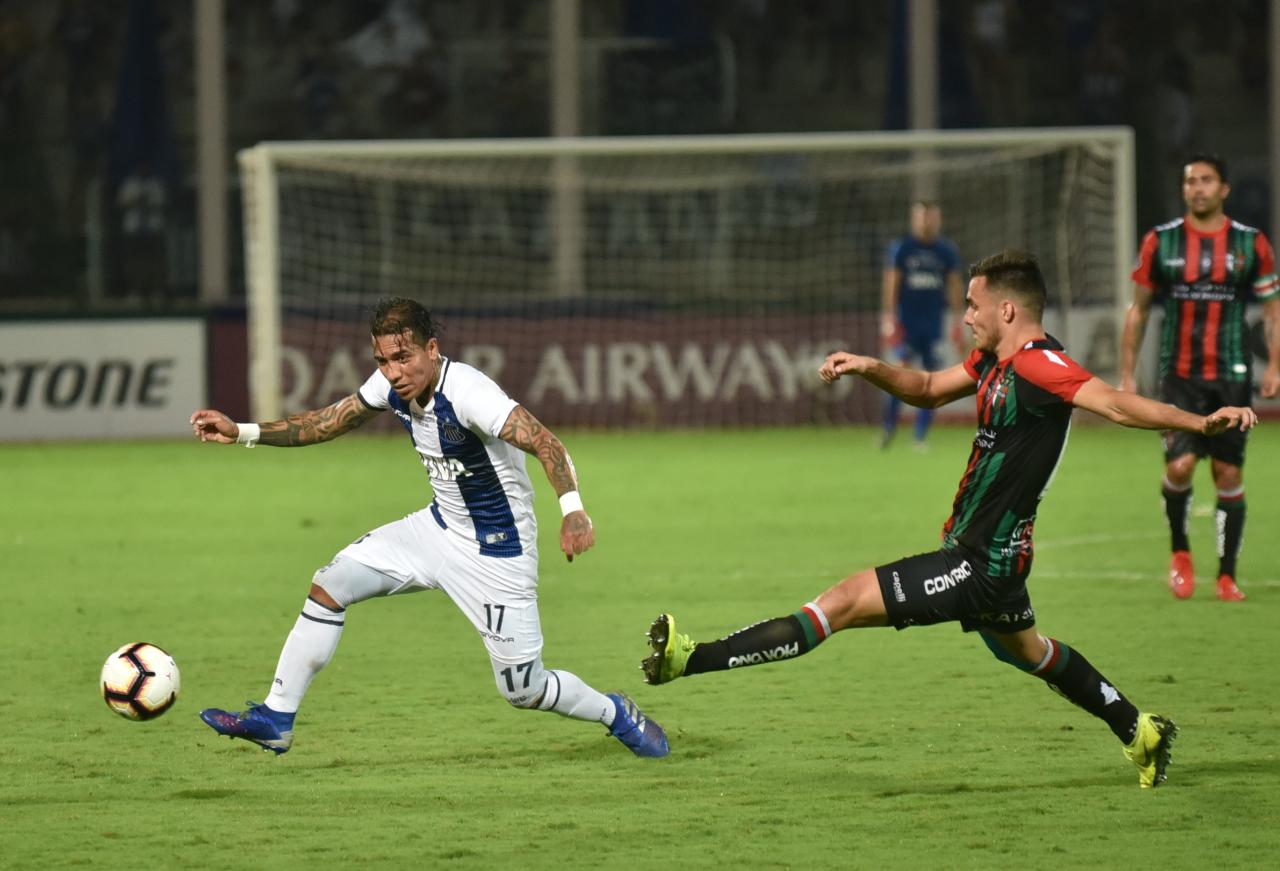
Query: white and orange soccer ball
x,y
140,681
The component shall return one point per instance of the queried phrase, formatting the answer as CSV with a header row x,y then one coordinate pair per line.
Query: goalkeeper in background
x,y
921,282
477,541
1026,389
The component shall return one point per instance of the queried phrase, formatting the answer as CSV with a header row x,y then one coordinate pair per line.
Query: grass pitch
x,y
880,749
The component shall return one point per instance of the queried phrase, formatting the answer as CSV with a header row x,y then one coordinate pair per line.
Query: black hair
x,y
395,315
1214,160
1015,272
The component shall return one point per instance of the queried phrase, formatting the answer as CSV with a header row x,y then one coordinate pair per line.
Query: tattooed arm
x,y
307,428
524,431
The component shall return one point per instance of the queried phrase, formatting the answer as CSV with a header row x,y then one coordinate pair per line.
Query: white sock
x,y
308,649
568,695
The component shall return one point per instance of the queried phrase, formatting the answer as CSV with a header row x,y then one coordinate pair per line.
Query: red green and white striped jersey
x,y
1204,281
1024,413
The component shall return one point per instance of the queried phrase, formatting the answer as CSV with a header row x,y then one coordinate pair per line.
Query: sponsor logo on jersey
x,y
923,281
782,651
1210,291
953,578
985,438
445,468
403,415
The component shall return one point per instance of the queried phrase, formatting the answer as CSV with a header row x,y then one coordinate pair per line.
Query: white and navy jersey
x,y
482,490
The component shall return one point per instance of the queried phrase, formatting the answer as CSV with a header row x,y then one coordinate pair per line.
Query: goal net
x,y
685,281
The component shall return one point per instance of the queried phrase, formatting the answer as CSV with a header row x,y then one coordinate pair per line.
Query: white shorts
x,y
498,595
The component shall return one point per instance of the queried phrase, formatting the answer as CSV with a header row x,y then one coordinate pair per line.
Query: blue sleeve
x,y
953,257
893,255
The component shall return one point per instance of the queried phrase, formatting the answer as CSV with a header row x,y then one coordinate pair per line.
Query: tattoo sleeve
x,y
320,425
524,431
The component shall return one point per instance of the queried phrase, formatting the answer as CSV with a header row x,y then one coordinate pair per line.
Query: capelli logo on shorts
x,y
945,582
897,589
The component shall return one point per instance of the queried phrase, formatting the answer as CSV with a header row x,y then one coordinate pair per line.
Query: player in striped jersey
x,y
1203,270
476,541
1026,387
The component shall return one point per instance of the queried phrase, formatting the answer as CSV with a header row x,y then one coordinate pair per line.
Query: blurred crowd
x,y
97,101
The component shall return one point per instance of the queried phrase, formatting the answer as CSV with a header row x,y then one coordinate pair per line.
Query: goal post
x,y
652,281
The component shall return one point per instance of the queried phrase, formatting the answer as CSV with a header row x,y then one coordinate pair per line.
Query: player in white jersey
x,y
476,541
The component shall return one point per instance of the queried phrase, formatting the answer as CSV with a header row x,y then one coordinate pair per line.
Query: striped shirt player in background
x,y
1203,269
476,541
921,282
1026,388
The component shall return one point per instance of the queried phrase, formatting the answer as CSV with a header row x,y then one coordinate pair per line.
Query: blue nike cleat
x,y
270,730
643,736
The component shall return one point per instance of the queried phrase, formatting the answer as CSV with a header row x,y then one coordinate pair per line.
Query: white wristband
x,y
571,502
249,434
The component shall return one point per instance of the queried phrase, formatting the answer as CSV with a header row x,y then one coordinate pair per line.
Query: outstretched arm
x,y
525,431
913,386
307,428
1130,409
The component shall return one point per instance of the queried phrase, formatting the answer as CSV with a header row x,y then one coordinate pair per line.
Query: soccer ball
x,y
140,681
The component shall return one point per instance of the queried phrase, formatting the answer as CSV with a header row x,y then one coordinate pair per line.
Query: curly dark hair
x,y
395,315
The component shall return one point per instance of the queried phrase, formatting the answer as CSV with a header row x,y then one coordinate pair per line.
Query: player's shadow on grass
x,y
1211,773
1002,787
684,746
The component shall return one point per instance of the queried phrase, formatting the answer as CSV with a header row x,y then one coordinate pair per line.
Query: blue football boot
x,y
270,730
643,736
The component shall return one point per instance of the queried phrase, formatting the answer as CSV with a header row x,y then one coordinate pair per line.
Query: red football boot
x,y
1182,579
1228,591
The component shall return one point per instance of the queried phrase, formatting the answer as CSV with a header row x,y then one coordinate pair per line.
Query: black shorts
x,y
946,585
1203,397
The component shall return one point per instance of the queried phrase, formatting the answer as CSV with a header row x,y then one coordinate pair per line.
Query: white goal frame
x,y
262,217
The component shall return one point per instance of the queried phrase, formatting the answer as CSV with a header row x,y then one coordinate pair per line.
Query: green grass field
x,y
912,749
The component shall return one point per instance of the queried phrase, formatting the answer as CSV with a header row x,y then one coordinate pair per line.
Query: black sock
x,y
1176,504
1230,532
1071,675
770,641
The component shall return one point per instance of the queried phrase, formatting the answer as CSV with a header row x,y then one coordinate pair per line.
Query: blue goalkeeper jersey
x,y
922,297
